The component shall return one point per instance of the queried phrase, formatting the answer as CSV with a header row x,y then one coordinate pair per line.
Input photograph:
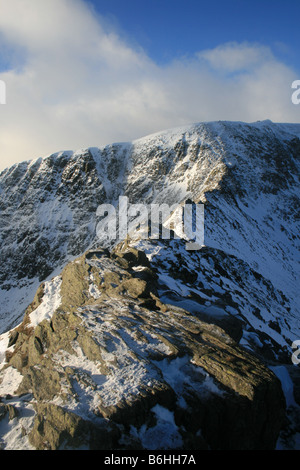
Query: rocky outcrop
x,y
116,368
55,427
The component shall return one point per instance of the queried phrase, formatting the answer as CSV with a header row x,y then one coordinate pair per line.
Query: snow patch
x,y
10,380
51,301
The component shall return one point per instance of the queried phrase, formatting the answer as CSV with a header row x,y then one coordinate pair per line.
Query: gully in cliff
x,y
152,221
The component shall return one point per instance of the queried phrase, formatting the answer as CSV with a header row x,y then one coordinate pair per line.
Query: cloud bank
x,y
73,82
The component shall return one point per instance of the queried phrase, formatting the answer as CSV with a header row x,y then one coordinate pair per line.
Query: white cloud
x,y
77,84
235,57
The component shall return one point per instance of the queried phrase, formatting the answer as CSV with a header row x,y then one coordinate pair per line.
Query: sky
x,y
81,73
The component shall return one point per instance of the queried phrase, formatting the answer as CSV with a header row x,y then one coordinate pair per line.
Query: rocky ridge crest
x,y
116,368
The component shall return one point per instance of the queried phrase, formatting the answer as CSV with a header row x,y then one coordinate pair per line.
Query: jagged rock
x,y
8,409
127,361
56,428
131,256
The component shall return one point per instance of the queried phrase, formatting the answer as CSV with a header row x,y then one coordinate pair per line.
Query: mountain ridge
x,y
195,162
244,280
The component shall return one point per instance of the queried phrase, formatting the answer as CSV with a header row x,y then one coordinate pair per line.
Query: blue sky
x,y
84,73
168,29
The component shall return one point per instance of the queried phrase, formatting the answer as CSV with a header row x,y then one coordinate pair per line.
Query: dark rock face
x,y
139,359
43,196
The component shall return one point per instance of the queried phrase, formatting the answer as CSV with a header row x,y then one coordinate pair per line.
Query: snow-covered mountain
x,y
244,280
246,174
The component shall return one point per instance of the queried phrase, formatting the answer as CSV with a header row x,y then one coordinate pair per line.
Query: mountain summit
x,y
135,311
